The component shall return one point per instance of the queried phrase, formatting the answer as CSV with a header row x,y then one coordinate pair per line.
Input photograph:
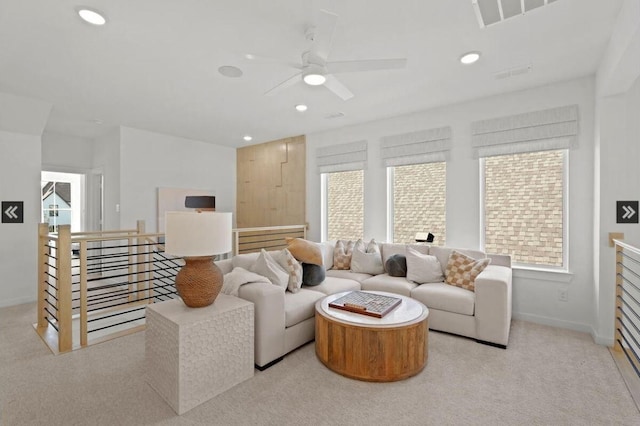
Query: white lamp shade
x,y
191,234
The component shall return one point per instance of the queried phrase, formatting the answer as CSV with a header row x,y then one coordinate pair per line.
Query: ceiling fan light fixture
x,y
314,79
91,16
469,58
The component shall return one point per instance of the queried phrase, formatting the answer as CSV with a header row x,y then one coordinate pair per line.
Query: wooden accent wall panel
x,y
271,183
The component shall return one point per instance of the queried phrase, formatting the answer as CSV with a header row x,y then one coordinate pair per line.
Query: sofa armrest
x,y
268,305
493,304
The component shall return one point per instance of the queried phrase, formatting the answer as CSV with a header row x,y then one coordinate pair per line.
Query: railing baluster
x,y
83,293
65,338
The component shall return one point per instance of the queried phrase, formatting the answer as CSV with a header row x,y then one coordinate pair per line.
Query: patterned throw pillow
x,y
293,267
342,255
462,270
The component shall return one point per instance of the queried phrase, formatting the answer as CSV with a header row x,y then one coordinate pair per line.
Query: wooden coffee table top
x,y
409,311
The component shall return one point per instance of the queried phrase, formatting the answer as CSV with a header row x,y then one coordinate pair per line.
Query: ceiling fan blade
x,y
287,83
323,34
366,65
338,88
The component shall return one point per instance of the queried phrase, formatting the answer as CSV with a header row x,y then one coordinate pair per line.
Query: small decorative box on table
x,y
194,354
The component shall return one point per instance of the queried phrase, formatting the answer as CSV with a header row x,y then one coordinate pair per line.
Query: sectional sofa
x,y
285,320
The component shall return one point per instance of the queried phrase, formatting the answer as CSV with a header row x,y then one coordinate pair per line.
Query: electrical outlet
x,y
563,295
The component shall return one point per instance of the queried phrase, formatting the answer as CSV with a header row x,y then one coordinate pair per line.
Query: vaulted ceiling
x,y
154,65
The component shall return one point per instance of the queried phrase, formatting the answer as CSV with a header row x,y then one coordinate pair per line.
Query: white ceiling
x,y
154,65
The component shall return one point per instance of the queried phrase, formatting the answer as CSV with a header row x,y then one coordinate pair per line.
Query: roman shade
x,y
423,146
544,130
342,158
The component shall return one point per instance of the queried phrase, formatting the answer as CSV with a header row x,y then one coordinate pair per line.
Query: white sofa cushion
x,y
445,297
385,282
350,275
245,260
332,285
300,306
423,268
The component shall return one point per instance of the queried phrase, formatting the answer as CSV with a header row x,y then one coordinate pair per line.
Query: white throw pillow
x,y
267,267
369,262
423,268
292,267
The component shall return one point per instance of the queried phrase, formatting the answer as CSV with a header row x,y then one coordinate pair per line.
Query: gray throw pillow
x,y
312,274
396,265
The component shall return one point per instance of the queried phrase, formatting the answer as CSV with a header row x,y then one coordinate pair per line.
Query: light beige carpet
x,y
547,376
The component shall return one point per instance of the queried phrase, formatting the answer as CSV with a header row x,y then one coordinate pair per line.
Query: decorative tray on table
x,y
360,302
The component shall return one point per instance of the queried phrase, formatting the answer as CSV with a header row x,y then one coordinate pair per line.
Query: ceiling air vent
x,y
512,72
491,12
334,115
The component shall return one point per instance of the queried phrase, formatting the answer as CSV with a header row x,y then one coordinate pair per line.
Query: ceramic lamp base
x,y
199,281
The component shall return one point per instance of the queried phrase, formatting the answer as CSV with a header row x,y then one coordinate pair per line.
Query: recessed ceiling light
x,y
230,71
247,138
301,107
470,57
91,16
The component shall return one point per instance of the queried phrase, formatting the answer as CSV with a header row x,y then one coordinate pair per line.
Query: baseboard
x,y
601,340
16,301
554,322
269,364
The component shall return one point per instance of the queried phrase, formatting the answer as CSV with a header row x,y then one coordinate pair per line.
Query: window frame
x,y
565,217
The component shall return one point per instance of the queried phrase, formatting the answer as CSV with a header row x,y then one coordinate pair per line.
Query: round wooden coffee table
x,y
363,347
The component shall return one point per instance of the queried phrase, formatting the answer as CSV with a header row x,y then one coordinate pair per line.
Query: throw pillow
x,y
267,267
293,267
369,262
396,265
304,250
342,255
312,274
462,270
423,268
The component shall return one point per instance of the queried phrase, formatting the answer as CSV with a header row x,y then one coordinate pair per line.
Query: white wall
x,y
19,181
106,158
535,293
66,153
619,180
150,160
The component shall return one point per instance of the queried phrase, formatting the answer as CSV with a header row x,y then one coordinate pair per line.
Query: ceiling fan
x,y
315,70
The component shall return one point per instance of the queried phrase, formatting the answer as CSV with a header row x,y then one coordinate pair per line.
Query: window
x,y
524,207
418,201
345,205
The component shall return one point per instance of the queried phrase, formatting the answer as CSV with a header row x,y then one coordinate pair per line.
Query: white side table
x,y
194,354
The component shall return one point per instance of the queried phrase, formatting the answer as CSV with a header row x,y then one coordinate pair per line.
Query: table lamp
x,y
197,237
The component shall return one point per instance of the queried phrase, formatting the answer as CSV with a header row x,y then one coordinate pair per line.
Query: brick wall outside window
x,y
419,202
345,205
523,207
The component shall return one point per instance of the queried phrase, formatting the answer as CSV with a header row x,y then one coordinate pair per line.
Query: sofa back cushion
x,y
389,249
327,253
